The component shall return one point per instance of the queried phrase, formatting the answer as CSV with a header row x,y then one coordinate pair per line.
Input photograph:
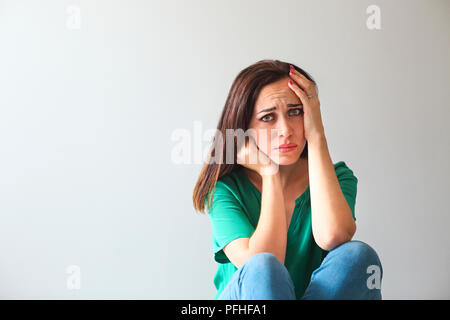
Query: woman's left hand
x,y
303,88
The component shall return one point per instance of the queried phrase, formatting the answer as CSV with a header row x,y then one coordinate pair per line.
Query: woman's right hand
x,y
253,158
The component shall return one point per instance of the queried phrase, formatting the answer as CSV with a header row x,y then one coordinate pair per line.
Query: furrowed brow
x,y
289,105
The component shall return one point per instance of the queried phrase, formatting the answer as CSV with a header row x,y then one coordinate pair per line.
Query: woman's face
x,y
277,120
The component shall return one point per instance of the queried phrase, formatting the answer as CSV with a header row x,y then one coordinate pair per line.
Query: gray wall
x,y
90,96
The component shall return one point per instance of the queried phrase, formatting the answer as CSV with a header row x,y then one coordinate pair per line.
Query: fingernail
x,y
291,66
290,82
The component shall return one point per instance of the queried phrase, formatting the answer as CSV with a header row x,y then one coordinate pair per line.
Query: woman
x,y
283,224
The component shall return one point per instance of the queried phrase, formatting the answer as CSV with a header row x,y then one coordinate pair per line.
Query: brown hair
x,y
236,114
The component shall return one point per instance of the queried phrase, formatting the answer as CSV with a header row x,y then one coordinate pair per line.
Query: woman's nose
x,y
285,128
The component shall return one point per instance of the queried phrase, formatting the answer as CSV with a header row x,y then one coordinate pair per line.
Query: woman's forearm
x,y
270,234
332,221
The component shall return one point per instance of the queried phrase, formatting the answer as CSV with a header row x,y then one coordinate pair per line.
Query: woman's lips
x,y
287,147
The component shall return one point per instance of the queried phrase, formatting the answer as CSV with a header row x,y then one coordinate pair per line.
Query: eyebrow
x,y
289,105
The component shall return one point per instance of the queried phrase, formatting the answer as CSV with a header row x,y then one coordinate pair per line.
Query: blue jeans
x,y
345,273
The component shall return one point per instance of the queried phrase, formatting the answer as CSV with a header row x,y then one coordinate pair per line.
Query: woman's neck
x,y
294,172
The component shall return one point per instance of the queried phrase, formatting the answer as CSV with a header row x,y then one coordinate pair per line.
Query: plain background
x,y
87,115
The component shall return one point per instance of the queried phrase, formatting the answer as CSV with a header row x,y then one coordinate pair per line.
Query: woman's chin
x,y
285,160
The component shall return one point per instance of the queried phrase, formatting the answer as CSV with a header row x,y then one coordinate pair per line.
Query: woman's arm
x,y
332,220
270,234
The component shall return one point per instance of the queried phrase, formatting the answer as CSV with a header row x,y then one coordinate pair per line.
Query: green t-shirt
x,y
235,212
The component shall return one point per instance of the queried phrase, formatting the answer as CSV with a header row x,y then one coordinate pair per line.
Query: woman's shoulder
x,y
230,189
343,170
231,181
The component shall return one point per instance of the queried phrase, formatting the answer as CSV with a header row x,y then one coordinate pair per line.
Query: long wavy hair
x,y
236,114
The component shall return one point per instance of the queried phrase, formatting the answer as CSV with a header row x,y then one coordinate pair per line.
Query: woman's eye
x,y
267,117
292,112
296,112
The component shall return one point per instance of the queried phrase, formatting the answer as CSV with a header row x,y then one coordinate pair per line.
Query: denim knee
x,y
352,270
266,263
359,254
264,277
265,260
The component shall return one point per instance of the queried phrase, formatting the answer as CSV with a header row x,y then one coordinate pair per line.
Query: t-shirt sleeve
x,y
228,220
348,182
